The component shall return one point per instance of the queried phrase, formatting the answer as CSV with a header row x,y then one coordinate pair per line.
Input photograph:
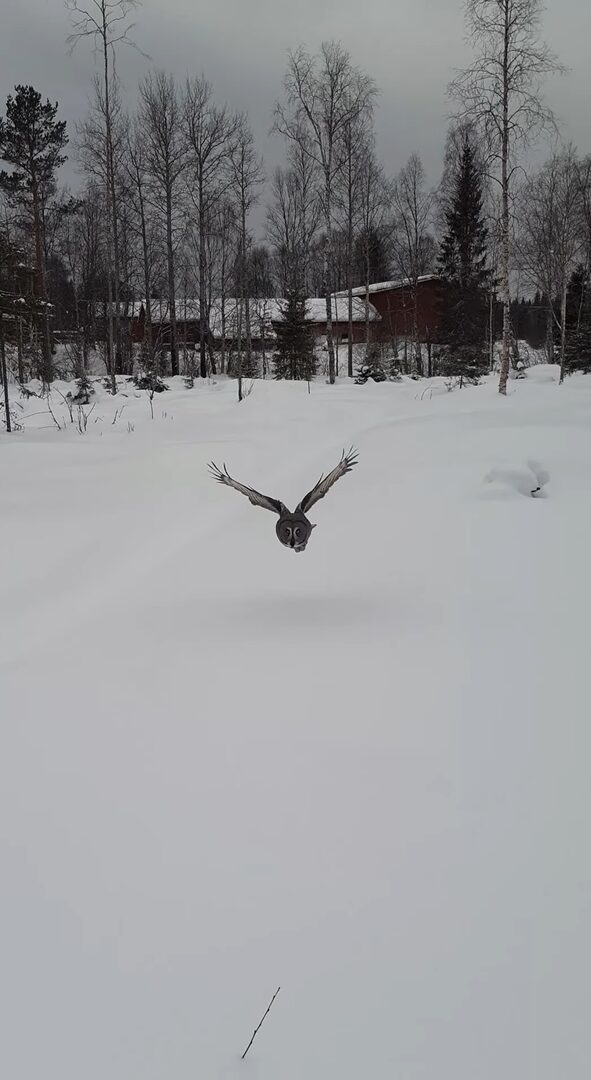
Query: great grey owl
x,y
293,529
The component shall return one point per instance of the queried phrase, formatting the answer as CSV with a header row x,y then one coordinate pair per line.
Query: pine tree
x,y
462,265
32,141
578,327
294,357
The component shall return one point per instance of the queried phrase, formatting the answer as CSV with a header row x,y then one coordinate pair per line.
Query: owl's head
x,y
294,530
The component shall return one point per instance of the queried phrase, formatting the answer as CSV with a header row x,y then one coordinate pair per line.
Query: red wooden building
x,y
395,303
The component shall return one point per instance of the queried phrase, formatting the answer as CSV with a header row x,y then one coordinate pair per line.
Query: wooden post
x,y
4,374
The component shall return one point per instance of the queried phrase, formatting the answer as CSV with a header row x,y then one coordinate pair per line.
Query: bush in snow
x,y
84,389
371,367
146,380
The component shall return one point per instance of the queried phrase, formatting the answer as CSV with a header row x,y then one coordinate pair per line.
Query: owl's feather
x,y
325,483
253,496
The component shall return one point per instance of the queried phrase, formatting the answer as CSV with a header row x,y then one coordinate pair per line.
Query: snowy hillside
x,y
361,774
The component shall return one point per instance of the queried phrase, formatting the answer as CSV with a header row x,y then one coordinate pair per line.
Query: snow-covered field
x,y
360,774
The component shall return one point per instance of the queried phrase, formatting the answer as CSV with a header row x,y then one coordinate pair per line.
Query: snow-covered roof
x,y
390,286
269,312
263,311
316,309
160,309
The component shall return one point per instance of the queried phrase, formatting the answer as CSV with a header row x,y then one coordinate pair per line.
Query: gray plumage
x,y
293,529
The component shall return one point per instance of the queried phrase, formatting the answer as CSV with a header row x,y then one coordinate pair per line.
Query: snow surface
x,y
361,774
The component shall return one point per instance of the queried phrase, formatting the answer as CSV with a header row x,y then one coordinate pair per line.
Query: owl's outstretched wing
x,y
319,490
253,496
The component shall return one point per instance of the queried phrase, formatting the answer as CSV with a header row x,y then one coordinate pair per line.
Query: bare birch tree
x,y
83,251
282,227
374,206
107,171
246,178
292,218
136,169
500,93
210,132
356,147
324,96
551,239
222,258
106,23
161,118
414,246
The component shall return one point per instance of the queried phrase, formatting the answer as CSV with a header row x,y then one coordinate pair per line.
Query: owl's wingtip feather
x,y
216,472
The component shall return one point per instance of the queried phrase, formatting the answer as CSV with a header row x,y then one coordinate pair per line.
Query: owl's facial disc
x,y
294,532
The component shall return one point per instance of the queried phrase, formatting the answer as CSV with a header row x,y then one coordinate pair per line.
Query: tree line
x,y
164,214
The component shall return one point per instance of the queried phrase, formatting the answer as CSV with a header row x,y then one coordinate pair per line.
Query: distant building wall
x,y
394,302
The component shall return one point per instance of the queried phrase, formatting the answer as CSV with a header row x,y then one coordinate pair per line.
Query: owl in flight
x,y
293,529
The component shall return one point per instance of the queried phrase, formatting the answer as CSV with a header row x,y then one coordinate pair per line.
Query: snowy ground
x,y
361,773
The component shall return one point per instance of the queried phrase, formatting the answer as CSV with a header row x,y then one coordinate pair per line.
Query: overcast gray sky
x,y
410,47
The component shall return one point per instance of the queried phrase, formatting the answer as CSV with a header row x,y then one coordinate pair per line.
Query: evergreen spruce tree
x,y
32,141
462,266
578,328
294,356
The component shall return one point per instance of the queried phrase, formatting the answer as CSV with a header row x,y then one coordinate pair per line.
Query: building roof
x,y
316,310
390,286
263,312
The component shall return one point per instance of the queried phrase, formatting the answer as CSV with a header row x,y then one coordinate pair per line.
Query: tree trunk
x,y
367,330
4,375
505,291
549,331
21,369
202,286
246,297
111,367
248,332
47,373
174,350
350,290
223,285
491,332
415,329
328,258
239,334
110,358
119,365
563,329
223,327
148,342
505,221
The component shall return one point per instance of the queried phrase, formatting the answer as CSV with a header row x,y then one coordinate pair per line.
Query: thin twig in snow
x,y
260,1024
